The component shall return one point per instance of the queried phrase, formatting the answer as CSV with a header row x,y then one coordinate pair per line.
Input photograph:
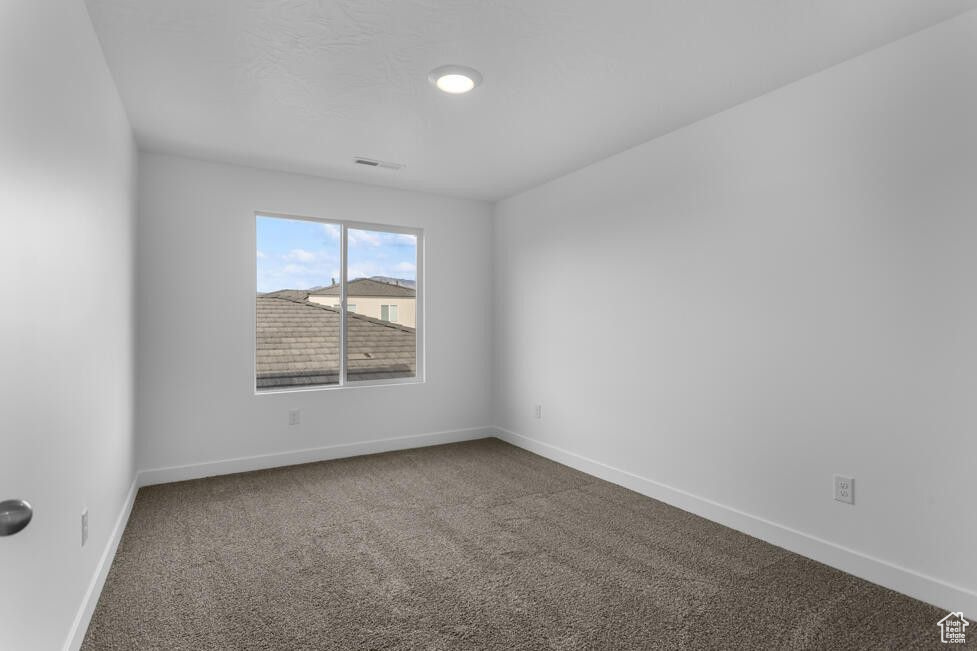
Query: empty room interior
x,y
520,324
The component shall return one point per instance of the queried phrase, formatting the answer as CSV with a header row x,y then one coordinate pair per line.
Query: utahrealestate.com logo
x,y
953,629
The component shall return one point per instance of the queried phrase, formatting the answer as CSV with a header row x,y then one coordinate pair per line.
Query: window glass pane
x,y
381,276
297,326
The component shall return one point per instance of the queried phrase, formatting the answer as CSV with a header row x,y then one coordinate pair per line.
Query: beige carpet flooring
x,y
475,545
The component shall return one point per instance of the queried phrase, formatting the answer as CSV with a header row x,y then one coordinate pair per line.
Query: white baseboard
x,y
293,457
76,635
79,627
920,586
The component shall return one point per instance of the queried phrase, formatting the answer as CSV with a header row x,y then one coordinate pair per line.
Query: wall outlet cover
x,y
84,527
294,417
845,489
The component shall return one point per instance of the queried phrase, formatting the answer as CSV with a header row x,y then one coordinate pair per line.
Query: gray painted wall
x,y
196,301
780,292
67,192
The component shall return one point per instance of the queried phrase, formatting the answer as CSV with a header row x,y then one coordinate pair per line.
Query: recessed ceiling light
x,y
455,79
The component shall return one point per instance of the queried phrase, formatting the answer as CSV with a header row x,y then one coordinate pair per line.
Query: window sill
x,y
336,387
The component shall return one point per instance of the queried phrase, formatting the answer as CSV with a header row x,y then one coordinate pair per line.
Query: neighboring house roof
x,y
292,294
297,344
367,287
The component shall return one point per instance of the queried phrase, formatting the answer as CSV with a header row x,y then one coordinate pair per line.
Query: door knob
x,y
14,516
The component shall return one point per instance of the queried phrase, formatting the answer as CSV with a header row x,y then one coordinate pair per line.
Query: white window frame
x,y
344,226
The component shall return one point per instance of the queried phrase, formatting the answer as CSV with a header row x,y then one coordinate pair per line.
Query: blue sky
x,y
296,254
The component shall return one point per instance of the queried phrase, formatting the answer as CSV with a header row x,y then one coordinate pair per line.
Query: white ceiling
x,y
305,85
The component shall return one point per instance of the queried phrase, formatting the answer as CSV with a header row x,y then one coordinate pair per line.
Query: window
x,y
307,271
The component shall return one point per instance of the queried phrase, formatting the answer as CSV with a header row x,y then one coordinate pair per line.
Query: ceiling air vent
x,y
372,162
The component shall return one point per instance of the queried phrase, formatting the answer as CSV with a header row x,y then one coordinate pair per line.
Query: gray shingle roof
x,y
293,294
368,287
297,344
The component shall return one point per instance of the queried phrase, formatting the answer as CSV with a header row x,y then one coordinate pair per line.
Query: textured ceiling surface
x,y
306,85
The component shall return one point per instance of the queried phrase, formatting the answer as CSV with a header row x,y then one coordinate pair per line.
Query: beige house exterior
x,y
375,299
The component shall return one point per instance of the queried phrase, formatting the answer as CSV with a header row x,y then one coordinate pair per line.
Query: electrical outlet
x,y
84,527
294,417
845,489
539,412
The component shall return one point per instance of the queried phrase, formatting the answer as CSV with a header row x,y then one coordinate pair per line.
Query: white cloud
x,y
301,255
406,267
261,255
362,271
357,237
